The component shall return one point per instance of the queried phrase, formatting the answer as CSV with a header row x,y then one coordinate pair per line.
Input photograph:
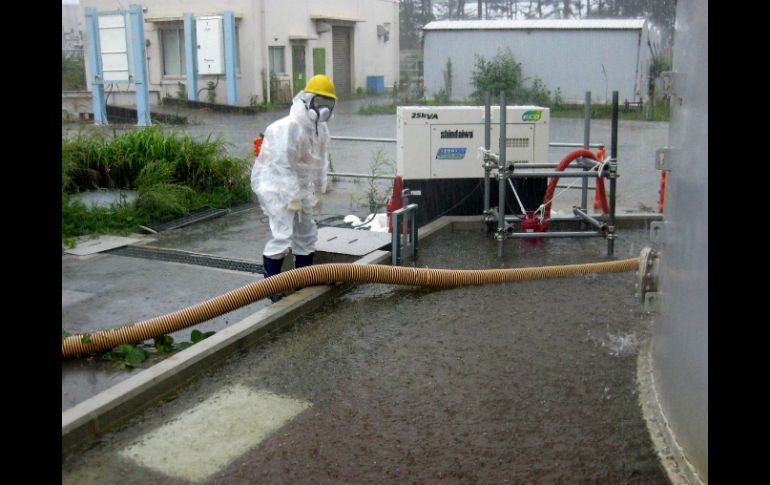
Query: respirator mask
x,y
320,108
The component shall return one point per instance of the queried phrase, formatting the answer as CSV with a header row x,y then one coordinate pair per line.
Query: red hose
x,y
572,156
662,191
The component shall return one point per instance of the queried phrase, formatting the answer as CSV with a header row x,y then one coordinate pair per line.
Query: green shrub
x,y
172,174
73,72
502,73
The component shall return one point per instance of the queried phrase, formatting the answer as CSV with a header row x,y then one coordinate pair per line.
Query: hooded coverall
x,y
291,166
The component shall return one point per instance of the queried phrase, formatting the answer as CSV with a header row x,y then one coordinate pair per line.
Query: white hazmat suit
x,y
290,169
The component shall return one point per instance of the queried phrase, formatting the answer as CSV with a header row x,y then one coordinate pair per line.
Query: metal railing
x,y
404,217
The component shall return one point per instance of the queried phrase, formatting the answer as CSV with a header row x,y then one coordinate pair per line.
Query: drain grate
x,y
177,256
199,216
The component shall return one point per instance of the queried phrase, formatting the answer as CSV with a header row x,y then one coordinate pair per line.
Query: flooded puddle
x,y
520,382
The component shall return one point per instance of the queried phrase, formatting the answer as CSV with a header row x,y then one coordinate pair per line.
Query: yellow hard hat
x,y
321,85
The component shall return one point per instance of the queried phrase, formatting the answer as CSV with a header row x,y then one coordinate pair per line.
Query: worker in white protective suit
x,y
289,173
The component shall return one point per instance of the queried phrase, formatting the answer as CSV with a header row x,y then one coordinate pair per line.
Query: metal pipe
x,y
558,186
413,235
501,175
613,174
364,138
487,136
587,164
361,175
586,143
535,235
574,145
564,174
597,224
395,243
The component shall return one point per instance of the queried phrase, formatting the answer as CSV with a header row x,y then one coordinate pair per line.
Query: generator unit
x,y
438,156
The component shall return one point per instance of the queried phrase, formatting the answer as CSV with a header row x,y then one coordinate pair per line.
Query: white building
x,y
574,55
354,42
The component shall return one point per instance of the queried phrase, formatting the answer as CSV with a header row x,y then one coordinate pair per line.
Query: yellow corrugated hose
x,y
317,275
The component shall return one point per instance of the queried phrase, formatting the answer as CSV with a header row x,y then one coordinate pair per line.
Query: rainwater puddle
x,y
486,384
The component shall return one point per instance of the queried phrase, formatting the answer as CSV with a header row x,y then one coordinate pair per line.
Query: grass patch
x,y
378,109
659,111
172,174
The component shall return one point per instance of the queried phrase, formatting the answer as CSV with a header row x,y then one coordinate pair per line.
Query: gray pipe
x,y
585,163
535,235
564,174
364,138
574,145
586,143
613,174
360,175
501,175
487,136
597,224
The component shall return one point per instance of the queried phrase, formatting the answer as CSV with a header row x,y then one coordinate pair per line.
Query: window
x,y
172,44
276,60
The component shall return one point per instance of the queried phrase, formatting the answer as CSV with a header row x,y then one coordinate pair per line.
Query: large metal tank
x,y
674,368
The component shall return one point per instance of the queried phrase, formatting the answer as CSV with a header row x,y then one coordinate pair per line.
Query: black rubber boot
x,y
272,267
300,261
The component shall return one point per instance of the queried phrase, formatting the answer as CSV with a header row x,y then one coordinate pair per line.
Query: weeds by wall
x,y
172,174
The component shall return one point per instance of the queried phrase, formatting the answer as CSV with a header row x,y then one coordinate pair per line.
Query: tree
x,y
413,15
501,73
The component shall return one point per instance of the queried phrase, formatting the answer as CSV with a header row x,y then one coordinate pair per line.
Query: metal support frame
x,y
231,76
586,143
99,102
404,217
613,175
191,56
137,53
141,83
504,172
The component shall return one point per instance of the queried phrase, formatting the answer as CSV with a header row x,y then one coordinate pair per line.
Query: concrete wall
x,y
571,60
263,23
680,341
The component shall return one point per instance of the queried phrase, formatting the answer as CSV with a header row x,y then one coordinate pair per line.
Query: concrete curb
x,y
672,458
86,421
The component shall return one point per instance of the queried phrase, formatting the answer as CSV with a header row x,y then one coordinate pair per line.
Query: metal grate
x,y
177,256
198,216
516,142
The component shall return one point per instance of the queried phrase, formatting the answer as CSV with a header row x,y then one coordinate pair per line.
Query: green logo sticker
x,y
531,116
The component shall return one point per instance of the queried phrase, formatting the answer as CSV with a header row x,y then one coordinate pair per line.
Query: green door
x,y
319,60
298,68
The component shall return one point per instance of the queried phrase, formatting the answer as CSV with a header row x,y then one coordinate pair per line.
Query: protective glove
x,y
295,205
319,203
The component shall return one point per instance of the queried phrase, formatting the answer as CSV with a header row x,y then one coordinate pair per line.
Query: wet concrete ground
x,y
530,382
404,384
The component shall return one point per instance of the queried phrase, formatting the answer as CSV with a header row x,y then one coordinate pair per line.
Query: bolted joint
x,y
647,279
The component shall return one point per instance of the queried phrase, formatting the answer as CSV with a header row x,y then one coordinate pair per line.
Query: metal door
x,y
297,68
341,37
319,61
